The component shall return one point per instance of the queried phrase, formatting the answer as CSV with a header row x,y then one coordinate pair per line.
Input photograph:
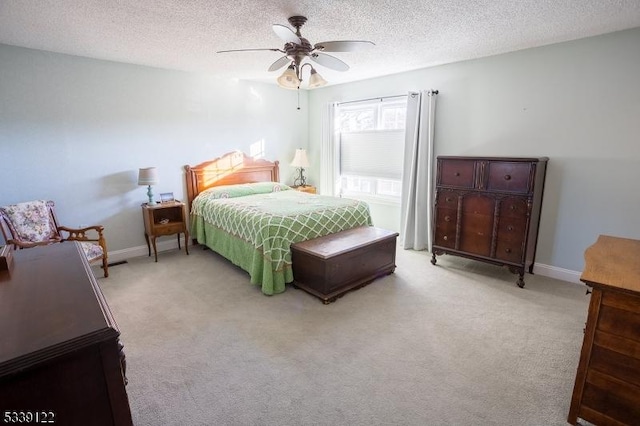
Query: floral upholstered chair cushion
x,y
92,251
31,221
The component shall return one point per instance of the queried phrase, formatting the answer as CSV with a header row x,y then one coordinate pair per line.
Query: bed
x,y
239,210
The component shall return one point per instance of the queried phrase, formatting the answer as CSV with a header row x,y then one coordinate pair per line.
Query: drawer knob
x,y
456,174
509,228
448,199
508,250
507,177
512,207
447,218
445,238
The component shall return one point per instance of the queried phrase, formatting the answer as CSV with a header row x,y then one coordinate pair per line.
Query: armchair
x,y
34,223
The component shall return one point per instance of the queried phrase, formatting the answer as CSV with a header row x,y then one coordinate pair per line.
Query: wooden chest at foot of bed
x,y
330,266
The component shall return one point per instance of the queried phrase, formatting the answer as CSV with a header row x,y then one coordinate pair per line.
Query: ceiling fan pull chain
x,y
298,93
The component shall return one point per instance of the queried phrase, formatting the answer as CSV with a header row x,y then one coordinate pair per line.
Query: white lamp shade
x,y
147,176
300,159
289,79
316,80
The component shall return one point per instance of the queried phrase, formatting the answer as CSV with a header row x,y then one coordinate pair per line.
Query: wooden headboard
x,y
230,169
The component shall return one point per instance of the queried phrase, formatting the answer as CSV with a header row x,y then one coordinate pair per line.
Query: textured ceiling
x,y
409,34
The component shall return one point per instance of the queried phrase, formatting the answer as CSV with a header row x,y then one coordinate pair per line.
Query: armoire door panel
x,y
477,224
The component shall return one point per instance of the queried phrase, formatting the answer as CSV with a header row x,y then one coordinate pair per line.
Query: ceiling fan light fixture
x,y
297,49
289,79
315,79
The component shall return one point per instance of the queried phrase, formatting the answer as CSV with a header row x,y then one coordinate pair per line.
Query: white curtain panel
x,y
328,167
417,179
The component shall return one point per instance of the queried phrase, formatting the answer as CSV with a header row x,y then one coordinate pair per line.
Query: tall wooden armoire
x,y
488,209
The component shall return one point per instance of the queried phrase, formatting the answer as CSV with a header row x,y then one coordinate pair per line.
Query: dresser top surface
x,y
613,261
526,159
50,304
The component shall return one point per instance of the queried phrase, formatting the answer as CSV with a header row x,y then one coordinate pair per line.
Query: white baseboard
x,y
557,273
538,268
128,253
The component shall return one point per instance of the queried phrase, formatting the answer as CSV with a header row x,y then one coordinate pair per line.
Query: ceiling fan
x,y
297,49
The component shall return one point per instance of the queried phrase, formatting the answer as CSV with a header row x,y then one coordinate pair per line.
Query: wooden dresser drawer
x,y
509,250
447,199
509,176
512,229
608,401
169,228
619,361
457,173
619,322
514,207
445,227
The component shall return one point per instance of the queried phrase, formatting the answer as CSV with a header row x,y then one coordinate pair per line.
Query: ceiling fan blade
x,y
343,45
279,63
249,50
329,61
286,34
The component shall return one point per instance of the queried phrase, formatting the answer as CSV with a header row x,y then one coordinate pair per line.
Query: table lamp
x,y
148,176
300,161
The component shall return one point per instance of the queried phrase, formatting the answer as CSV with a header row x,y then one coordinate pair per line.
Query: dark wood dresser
x,y
488,209
60,357
607,387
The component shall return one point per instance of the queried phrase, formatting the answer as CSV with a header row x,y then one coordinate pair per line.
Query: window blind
x,y
373,153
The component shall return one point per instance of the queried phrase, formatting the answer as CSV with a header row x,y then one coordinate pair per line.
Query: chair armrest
x,y
97,228
80,234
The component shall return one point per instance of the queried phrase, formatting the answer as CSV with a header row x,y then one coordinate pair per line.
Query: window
x,y
371,147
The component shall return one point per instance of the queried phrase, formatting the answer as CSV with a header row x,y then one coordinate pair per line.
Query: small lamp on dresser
x,y
148,176
300,161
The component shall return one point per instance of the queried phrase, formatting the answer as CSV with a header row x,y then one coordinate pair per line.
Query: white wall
x,y
576,102
76,130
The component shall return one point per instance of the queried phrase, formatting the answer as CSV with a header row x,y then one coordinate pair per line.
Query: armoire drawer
x,y
457,173
447,199
445,227
507,176
512,229
514,207
509,251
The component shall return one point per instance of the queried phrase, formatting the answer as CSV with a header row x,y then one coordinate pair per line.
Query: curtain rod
x,y
372,99
429,92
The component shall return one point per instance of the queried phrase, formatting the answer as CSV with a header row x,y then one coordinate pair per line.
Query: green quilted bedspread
x,y
255,232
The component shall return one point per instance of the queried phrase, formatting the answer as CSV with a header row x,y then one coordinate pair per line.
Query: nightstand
x,y
305,188
165,219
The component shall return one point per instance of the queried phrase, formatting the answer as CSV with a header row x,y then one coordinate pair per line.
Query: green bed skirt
x,y
244,255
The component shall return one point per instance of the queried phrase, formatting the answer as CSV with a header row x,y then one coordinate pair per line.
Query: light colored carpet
x,y
454,344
